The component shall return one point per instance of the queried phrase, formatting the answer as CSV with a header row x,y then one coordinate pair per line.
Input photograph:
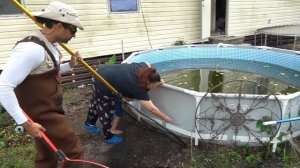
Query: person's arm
x,y
148,105
67,67
64,68
24,58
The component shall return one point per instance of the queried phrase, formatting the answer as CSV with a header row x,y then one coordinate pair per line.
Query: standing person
x,y
31,80
130,80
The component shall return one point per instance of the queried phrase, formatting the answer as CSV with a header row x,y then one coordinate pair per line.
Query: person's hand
x,y
74,59
167,119
162,81
33,129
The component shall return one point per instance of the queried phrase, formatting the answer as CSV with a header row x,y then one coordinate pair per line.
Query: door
x,y
206,18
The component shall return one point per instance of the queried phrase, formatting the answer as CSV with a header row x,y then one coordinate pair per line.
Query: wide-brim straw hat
x,y
60,12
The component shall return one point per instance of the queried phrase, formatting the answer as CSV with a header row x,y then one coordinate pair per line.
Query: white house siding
x,y
244,17
165,20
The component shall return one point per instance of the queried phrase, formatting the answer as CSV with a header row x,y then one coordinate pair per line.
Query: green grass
x,y
17,157
16,149
69,93
231,157
216,158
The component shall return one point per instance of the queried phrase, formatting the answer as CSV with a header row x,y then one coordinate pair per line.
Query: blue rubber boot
x,y
114,140
92,128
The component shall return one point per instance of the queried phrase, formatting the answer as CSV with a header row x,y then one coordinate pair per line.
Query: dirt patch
x,y
144,146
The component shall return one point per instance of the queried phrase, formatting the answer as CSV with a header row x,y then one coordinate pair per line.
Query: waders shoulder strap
x,y
39,42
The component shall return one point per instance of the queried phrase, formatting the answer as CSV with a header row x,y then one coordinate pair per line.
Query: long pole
x,y
123,56
66,48
281,121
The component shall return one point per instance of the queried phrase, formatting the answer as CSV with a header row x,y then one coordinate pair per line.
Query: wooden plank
x,y
81,75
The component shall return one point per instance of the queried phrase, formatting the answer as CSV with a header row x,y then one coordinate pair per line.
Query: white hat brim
x,y
59,17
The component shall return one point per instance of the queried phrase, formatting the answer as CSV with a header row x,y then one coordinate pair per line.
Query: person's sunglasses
x,y
73,29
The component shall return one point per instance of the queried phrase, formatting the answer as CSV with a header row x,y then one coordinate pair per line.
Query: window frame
x,y
20,14
122,12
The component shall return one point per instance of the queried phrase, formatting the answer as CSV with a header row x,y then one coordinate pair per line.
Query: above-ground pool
x,y
233,115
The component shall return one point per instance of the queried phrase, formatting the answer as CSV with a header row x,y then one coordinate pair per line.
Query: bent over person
x,y
130,80
31,80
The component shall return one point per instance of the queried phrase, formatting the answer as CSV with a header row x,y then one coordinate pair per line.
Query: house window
x,y
123,5
8,8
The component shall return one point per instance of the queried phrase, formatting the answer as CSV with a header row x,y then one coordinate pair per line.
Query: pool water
x,y
202,80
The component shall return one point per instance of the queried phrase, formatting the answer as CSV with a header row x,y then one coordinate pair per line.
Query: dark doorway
x,y
220,23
